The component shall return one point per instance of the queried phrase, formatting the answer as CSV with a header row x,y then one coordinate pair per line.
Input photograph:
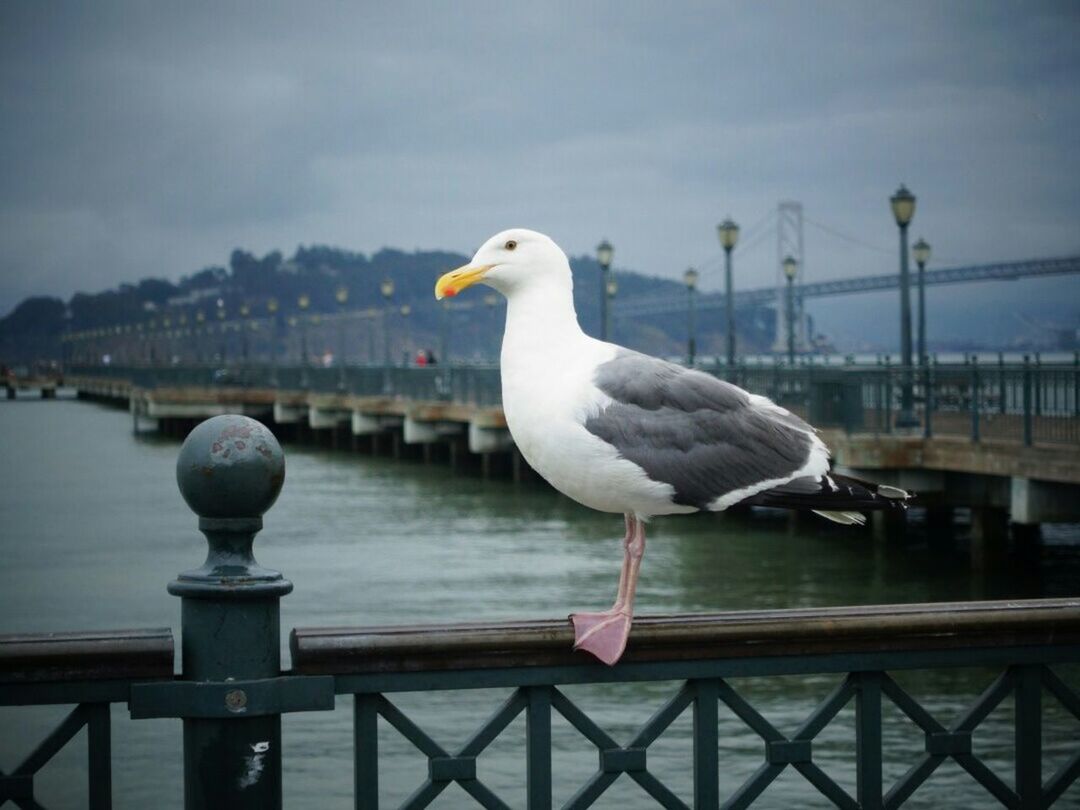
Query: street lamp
x,y
341,295
221,318
791,267
245,310
903,208
200,319
303,302
405,311
612,289
604,253
387,290
922,255
690,277
152,328
728,232
271,309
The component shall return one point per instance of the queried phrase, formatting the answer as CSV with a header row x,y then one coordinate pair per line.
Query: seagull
x,y
619,431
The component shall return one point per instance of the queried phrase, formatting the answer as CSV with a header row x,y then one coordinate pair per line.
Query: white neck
x,y
540,319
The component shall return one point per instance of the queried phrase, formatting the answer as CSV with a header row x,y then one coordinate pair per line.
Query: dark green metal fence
x,y
232,692
1030,402
860,645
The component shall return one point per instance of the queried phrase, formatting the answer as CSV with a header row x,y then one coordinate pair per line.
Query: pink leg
x,y
605,634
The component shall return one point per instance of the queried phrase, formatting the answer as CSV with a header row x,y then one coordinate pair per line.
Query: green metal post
x,y
341,347
879,397
99,756
706,734
1027,401
1076,383
906,416
888,396
868,740
691,343
974,398
230,471
1028,702
928,405
1037,384
366,751
791,321
729,307
604,270
1002,388
538,747
921,330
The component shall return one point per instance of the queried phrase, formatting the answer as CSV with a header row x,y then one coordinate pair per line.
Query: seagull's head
x,y
509,261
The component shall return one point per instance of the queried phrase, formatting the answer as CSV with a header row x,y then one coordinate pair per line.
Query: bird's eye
x,y
510,245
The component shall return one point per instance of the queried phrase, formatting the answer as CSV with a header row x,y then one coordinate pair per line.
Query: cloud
x,y
149,140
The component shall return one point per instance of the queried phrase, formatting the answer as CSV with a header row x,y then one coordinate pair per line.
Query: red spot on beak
x,y
450,292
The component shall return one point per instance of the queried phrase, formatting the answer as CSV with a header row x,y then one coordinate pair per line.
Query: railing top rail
x,y
83,656
740,634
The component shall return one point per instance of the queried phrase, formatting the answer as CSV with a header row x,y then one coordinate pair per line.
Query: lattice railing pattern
x,y
704,697
18,786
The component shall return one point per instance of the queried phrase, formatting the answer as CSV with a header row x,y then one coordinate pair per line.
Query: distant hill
x,y
32,331
1031,314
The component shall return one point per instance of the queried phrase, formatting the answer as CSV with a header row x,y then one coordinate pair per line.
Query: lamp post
x,y
221,327
303,302
271,309
690,277
903,208
405,311
245,311
492,300
791,267
151,327
604,253
729,235
612,289
182,333
387,290
921,250
200,342
341,295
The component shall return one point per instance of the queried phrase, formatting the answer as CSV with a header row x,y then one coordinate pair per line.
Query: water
x,y
93,529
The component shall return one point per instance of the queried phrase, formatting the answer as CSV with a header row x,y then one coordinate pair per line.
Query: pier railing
x,y
1029,402
860,646
232,692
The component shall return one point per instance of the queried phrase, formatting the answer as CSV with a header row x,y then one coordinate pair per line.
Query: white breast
x,y
547,396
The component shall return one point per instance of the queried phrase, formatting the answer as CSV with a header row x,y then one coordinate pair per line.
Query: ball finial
x,y
230,466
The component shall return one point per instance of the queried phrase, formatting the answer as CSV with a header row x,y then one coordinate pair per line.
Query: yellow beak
x,y
457,280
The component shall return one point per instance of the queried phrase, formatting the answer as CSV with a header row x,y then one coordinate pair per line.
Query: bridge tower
x,y
789,242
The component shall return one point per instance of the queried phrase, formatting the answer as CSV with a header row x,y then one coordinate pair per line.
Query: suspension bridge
x,y
998,271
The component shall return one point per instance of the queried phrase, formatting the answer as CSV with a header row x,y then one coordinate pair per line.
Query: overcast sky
x,y
143,140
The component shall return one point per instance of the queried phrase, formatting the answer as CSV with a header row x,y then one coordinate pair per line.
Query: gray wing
x,y
704,436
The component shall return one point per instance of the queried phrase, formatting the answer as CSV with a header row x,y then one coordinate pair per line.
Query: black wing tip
x,y
834,493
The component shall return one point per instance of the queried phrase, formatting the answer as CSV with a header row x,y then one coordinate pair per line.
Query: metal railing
x,y
231,693
1029,402
860,645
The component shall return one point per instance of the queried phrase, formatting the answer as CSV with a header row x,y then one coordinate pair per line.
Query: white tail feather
x,y
885,491
846,518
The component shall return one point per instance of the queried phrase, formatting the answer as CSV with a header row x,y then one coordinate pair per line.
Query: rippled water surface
x,y
93,528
